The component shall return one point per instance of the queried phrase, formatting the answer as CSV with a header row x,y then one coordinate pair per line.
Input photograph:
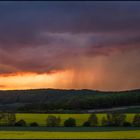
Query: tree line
x,y
62,102
111,119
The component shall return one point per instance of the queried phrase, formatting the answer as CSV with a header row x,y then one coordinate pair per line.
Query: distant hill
x,y
49,100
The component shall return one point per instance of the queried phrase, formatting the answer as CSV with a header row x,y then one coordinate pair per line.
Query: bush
x,y
126,124
71,122
34,124
53,121
86,124
20,123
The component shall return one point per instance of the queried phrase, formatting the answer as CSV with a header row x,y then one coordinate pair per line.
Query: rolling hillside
x,y
47,100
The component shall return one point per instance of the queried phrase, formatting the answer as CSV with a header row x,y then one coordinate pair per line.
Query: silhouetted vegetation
x,y
34,124
20,123
71,122
86,124
53,121
127,124
115,119
104,121
136,120
93,120
108,120
7,119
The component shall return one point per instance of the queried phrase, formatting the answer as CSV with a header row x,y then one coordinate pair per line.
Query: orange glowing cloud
x,y
117,71
32,80
73,61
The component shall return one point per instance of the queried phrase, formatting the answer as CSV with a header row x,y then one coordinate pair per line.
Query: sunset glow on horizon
x,y
62,79
32,81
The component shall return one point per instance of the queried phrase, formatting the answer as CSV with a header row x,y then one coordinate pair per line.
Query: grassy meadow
x,y
42,132
80,118
134,134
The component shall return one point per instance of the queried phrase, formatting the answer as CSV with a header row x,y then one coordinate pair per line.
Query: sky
x,y
70,45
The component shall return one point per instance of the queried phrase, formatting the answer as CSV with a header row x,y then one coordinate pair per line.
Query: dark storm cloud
x,y
112,43
63,51
47,36
21,22
70,16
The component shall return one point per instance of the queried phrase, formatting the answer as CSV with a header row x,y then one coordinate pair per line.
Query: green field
x,y
80,118
43,132
134,134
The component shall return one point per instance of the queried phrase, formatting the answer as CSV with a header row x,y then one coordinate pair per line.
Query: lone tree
x,y
93,120
71,122
53,121
136,120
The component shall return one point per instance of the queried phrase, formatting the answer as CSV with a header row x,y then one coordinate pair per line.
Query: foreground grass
x,y
134,134
80,118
